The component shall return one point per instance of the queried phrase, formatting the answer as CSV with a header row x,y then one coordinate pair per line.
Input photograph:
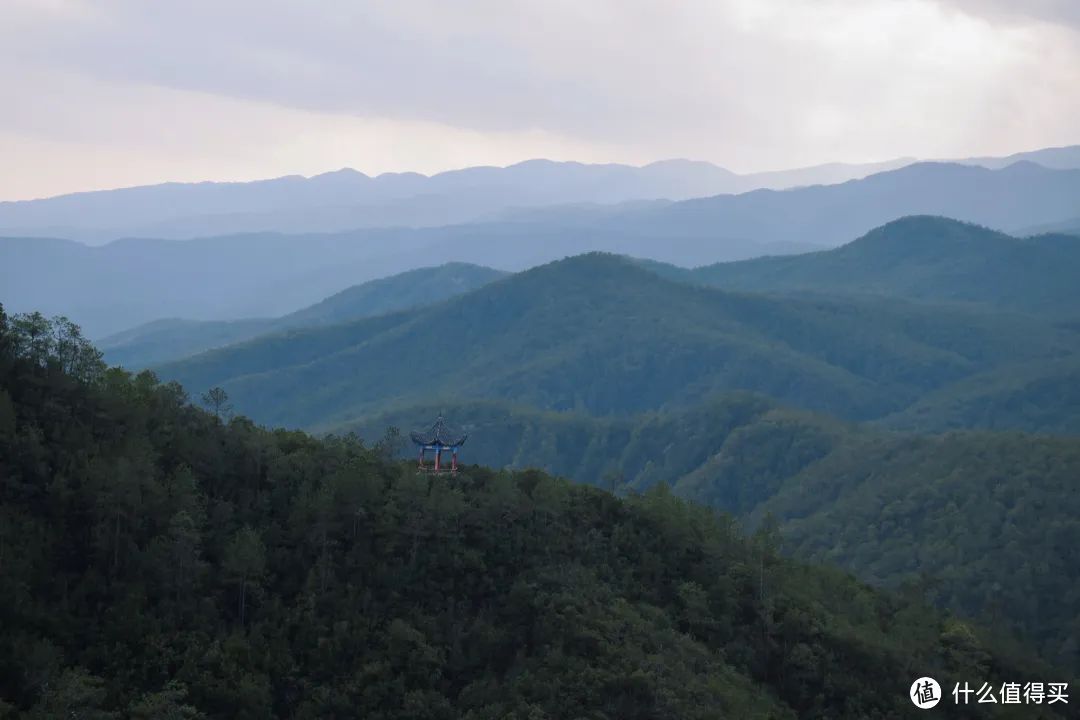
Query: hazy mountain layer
x,y
1013,198
924,258
130,282
171,339
126,283
347,199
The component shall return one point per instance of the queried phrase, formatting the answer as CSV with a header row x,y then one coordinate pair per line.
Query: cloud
x,y
752,84
1056,12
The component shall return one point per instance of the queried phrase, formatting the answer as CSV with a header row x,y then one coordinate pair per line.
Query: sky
x,y
111,93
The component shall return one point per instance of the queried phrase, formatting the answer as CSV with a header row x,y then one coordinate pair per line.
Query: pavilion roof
x,y
439,434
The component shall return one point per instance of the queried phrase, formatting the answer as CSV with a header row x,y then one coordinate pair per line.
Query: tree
x,y
392,443
244,563
217,401
168,704
74,695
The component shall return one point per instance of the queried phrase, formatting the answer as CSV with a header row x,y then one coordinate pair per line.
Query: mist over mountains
x,y
171,338
348,199
878,377
598,333
271,274
547,430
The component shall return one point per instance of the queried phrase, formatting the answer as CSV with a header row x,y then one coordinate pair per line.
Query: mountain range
x,y
264,275
169,339
602,334
348,199
923,258
776,389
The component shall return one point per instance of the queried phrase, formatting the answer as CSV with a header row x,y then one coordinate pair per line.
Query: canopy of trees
x,y
159,562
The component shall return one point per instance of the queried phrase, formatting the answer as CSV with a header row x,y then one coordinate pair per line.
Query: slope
x,y
125,283
985,522
182,567
982,523
112,288
601,334
1041,397
925,258
172,339
1018,196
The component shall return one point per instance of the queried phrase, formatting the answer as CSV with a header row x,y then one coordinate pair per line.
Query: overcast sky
x,y
108,93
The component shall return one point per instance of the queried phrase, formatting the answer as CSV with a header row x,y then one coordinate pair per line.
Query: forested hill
x,y
600,334
171,339
1037,397
926,258
161,563
893,508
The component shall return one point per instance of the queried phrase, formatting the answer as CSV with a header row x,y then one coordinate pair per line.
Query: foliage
x,y
599,334
1036,397
985,518
158,562
928,258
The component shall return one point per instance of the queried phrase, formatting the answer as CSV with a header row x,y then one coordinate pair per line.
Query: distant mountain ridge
x,y
173,338
925,258
348,199
267,274
1006,200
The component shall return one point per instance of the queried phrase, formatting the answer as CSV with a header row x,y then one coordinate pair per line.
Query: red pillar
x,y
438,456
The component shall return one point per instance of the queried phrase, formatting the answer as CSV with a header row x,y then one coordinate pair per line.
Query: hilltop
x,y
600,334
925,258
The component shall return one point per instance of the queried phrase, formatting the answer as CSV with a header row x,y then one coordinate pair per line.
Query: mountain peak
x,y
918,235
345,172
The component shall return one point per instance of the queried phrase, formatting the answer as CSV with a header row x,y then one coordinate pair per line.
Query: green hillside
x,y
600,334
629,452
986,523
896,509
414,288
171,339
159,563
925,258
174,338
1036,397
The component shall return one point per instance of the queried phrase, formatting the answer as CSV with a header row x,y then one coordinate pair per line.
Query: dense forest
x,y
599,334
986,520
1037,397
926,258
163,561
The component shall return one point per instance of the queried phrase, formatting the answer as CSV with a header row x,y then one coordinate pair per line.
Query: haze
x,y
110,94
